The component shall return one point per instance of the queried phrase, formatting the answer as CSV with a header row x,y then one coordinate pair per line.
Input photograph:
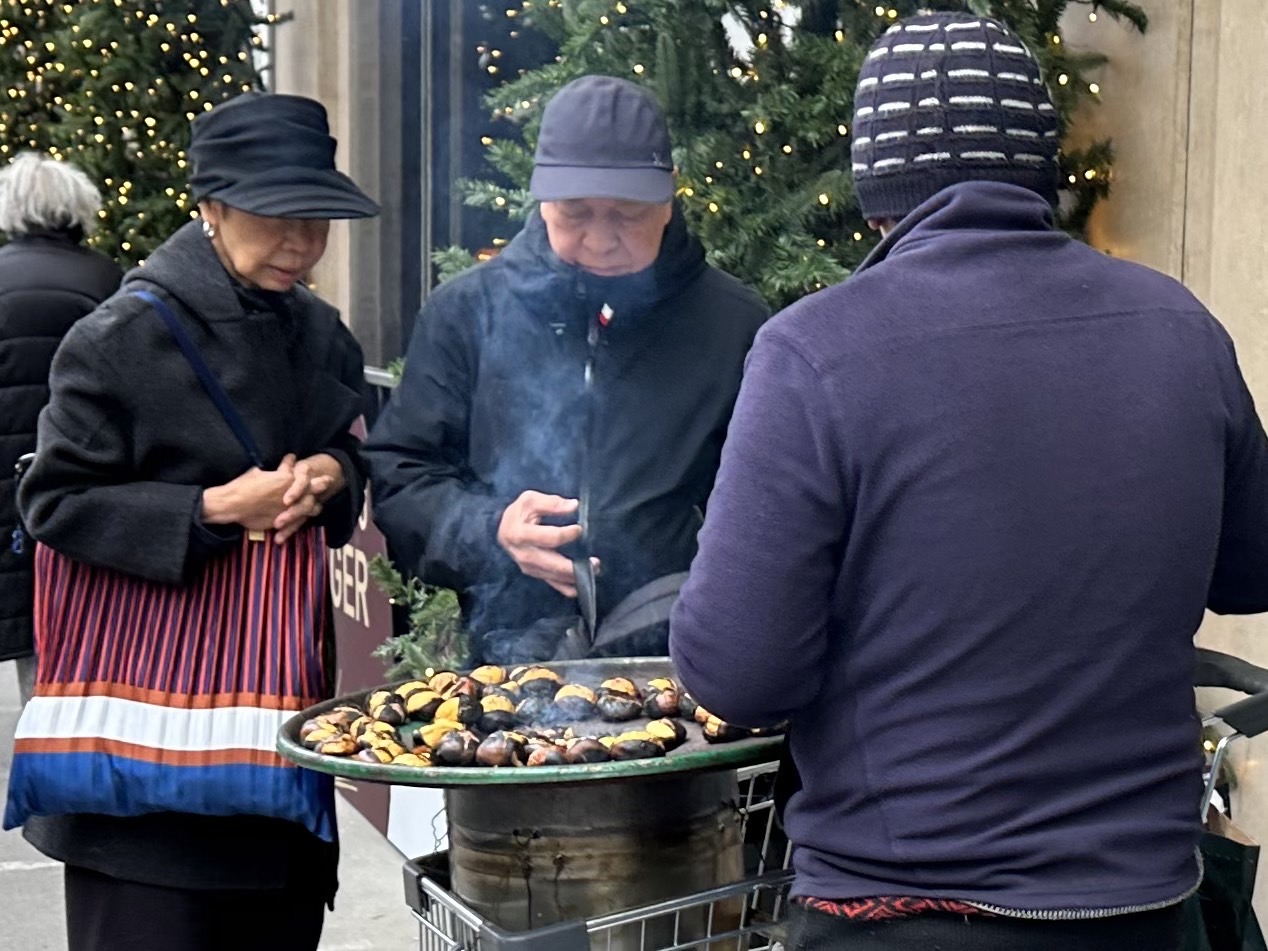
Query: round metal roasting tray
x,y
694,754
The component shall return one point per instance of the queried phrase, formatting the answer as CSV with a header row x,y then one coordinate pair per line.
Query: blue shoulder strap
x,y
208,379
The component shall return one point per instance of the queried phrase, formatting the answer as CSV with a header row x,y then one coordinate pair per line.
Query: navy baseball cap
x,y
603,137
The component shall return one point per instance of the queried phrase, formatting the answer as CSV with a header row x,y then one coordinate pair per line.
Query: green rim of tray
x,y
692,756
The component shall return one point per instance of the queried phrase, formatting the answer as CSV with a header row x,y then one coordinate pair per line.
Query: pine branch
x,y
452,261
434,638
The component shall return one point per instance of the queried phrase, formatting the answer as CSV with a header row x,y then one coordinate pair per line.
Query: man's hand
x,y
534,547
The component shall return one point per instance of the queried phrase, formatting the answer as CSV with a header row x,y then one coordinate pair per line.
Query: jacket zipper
x,y
594,328
1074,914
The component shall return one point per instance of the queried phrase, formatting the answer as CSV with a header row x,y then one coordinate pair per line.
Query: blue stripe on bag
x,y
45,784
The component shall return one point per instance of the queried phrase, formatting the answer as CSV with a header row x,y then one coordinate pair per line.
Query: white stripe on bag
x,y
147,724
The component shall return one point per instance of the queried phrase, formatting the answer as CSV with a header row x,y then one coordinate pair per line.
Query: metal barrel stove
x,y
637,855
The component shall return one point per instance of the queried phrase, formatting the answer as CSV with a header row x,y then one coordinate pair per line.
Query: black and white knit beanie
x,y
945,98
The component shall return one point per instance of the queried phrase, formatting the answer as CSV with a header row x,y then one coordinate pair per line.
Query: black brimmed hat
x,y
272,155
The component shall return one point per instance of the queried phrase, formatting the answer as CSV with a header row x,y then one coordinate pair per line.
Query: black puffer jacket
x,y
497,399
47,282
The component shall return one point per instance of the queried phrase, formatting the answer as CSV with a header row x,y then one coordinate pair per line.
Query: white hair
x,y
38,193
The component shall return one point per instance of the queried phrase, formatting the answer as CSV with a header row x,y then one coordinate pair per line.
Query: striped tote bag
x,y
168,698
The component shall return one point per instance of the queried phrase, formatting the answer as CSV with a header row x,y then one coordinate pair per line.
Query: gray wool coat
x,y
127,444
130,439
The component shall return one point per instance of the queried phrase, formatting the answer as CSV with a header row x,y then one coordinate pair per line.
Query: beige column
x,y
1187,109
328,51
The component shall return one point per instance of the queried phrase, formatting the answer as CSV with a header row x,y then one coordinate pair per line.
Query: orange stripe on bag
x,y
148,754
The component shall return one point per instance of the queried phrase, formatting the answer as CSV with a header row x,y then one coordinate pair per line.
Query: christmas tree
x,y
112,86
759,96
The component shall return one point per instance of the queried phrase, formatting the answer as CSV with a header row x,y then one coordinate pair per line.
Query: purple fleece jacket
x,y
972,504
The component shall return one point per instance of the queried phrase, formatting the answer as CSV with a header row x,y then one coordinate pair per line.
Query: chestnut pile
x,y
527,717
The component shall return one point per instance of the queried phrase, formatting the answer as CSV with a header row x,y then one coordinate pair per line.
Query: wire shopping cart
x,y
1220,917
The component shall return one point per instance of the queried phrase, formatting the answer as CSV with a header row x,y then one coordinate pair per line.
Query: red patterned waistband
x,y
880,909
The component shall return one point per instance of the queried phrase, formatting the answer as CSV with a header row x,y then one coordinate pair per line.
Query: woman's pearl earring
x,y
208,229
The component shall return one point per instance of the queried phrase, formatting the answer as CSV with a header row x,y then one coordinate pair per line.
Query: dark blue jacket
x,y
496,399
972,506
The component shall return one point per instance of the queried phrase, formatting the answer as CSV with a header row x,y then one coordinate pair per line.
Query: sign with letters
x,y
363,621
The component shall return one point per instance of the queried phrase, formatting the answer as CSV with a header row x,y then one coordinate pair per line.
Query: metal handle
x,y
1246,717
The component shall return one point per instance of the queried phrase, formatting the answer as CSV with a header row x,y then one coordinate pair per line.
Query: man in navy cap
x,y
553,440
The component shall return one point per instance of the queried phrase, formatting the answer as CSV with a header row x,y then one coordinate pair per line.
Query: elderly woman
x,y
138,472
48,280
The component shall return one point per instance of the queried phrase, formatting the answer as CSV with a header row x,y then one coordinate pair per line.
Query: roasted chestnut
x,y
662,703
686,705
615,707
717,730
631,746
510,690
374,755
391,747
442,681
501,749
311,725
423,703
465,686
621,685
661,683
498,714
359,725
545,754
548,734
539,682
340,745
404,690
376,731
431,734
457,748
587,750
574,702
326,731
668,733
392,712
489,675
460,707
531,709
379,697
341,715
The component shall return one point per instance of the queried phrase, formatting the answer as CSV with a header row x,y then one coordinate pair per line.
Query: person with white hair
x,y
48,280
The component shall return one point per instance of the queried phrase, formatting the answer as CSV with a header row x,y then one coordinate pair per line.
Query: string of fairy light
x,y
748,152
62,56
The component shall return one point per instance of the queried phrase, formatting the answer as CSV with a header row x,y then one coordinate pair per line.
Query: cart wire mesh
x,y
747,915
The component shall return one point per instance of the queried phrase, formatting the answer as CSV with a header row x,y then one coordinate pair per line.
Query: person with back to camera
x,y
552,442
48,279
137,471
972,506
